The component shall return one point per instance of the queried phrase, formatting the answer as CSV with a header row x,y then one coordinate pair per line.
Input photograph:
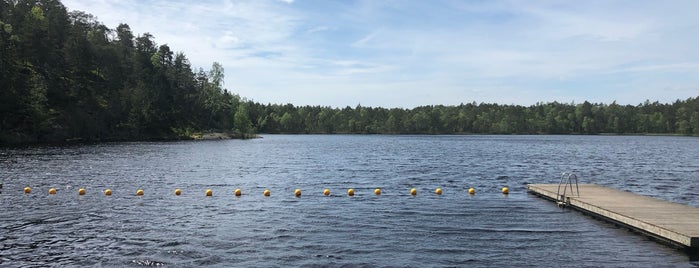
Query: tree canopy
x,y
66,76
680,117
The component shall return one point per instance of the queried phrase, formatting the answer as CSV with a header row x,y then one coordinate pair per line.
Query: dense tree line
x,y
680,117
65,76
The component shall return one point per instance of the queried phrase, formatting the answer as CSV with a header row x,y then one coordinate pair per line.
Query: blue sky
x,y
411,53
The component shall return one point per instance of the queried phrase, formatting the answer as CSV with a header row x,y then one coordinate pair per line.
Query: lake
x,y
394,229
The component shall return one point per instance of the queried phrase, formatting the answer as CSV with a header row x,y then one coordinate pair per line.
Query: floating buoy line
x,y
237,192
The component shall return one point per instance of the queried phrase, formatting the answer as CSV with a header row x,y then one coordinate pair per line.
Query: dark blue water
x,y
394,229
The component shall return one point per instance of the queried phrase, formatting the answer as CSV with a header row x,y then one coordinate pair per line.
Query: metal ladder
x,y
567,181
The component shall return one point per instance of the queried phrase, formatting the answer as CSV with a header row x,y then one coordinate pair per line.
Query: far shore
x,y
231,135
212,136
221,136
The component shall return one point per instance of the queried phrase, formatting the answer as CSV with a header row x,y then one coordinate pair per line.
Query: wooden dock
x,y
670,222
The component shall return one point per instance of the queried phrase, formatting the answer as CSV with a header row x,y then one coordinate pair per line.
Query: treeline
x,y
680,117
66,76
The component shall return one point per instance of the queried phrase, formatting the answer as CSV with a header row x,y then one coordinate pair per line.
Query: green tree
x,y
287,122
242,123
694,123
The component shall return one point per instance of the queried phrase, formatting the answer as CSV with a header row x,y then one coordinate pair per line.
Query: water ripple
x,y
391,230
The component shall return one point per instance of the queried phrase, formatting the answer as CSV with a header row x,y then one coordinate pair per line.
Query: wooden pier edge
x,y
670,223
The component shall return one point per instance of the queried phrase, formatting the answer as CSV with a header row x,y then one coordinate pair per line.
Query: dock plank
x,y
669,221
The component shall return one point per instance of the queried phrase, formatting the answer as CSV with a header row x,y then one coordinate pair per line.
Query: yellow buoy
x,y
350,192
438,191
413,191
52,191
377,191
237,192
209,192
108,192
178,192
139,192
326,192
471,191
266,193
27,190
297,192
81,191
505,190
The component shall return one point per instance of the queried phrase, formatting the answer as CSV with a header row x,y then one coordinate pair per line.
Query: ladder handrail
x,y
569,178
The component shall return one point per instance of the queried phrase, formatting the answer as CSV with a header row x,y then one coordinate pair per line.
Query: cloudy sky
x,y
407,53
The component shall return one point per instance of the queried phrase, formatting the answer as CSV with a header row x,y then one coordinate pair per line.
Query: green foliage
x,y
243,125
37,13
66,76
681,117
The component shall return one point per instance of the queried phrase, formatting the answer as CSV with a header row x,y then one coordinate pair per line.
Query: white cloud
x,y
597,24
227,40
365,39
319,29
410,53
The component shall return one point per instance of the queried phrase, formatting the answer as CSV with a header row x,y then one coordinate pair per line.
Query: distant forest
x,y
65,76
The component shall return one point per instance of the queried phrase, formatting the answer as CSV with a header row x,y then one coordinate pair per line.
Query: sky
x,y
404,53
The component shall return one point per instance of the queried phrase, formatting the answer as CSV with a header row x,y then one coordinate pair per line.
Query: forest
x,y
64,76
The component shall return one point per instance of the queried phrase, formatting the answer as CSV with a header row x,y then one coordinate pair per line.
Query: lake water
x,y
392,230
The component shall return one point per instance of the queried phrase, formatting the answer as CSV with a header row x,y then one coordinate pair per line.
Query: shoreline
x,y
212,136
223,136
78,141
232,136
